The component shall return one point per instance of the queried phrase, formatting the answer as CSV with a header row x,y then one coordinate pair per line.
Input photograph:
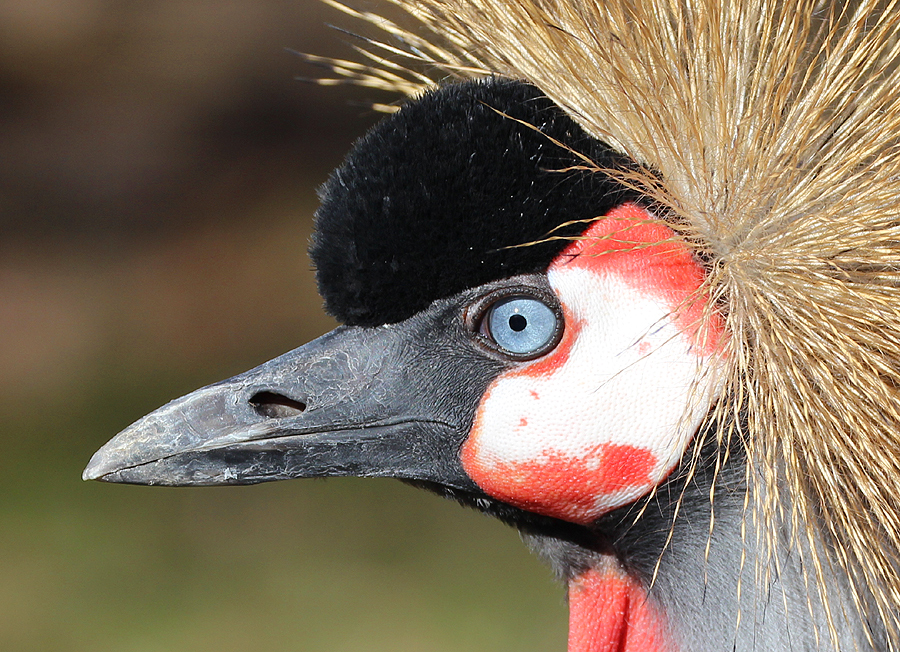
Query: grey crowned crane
x,y
631,284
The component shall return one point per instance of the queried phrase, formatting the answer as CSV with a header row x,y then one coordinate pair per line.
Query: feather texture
x,y
773,130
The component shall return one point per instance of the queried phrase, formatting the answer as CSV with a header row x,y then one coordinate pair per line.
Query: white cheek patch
x,y
606,416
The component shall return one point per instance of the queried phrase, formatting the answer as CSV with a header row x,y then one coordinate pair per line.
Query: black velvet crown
x,y
425,203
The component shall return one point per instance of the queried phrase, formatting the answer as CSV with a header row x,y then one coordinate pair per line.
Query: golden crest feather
x,y
773,133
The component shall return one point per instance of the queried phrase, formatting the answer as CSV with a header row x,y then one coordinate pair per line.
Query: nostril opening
x,y
276,406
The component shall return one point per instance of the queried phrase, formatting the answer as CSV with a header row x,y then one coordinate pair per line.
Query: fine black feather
x,y
428,203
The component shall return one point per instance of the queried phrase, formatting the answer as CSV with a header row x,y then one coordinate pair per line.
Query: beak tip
x,y
95,469
106,463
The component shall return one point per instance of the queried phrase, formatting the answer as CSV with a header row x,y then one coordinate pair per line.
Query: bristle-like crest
x,y
397,60
772,130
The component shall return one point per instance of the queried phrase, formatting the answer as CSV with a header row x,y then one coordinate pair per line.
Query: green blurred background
x,y
158,168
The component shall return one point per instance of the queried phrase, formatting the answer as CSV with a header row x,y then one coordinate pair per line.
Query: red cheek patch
x,y
624,467
604,417
558,485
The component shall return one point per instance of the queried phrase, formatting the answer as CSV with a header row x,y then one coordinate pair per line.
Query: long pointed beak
x,y
357,401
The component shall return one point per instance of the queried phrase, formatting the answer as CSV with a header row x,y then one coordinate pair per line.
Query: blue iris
x,y
522,325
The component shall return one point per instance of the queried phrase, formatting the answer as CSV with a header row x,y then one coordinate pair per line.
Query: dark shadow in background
x,y
158,167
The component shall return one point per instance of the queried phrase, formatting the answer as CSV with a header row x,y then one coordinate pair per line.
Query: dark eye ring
x,y
521,326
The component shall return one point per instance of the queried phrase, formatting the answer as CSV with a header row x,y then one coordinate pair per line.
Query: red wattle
x,y
611,612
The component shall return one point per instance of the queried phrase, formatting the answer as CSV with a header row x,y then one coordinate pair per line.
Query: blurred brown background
x,y
158,167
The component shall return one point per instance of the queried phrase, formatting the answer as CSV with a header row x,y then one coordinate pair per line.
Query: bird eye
x,y
522,326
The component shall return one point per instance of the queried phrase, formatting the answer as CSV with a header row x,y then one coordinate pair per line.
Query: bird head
x,y
540,320
521,330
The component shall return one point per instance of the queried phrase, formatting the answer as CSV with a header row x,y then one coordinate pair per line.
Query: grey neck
x,y
718,588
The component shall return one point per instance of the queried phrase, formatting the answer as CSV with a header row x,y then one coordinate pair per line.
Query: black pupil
x,y
517,323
